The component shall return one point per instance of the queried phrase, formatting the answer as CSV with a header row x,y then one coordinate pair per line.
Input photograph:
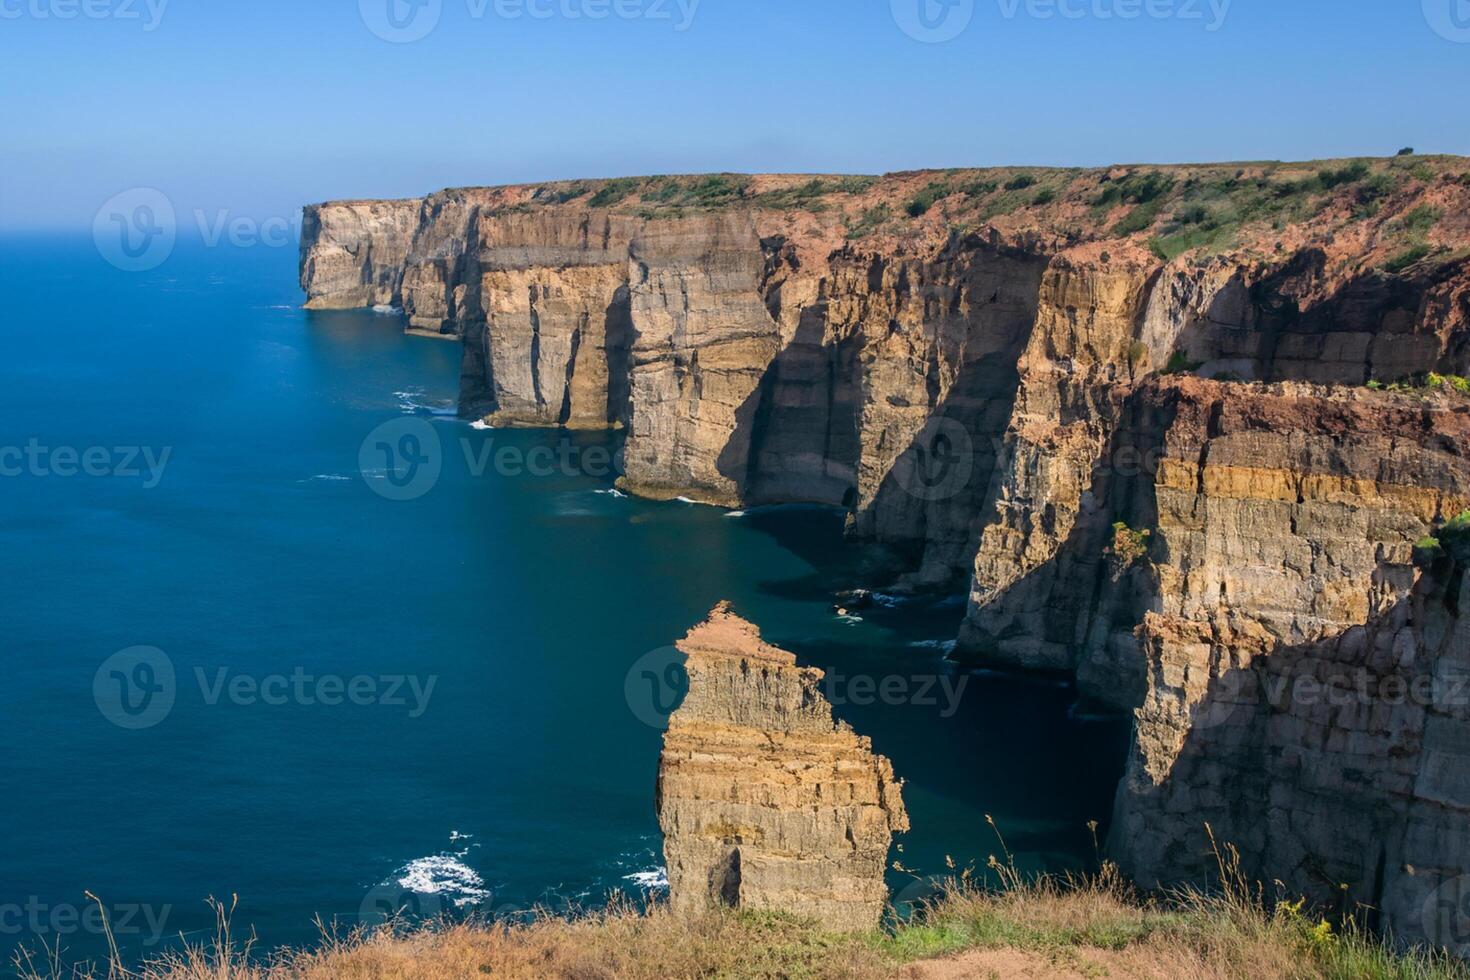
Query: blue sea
x,y
281,630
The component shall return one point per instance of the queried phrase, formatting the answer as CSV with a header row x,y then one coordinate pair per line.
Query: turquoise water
x,y
494,753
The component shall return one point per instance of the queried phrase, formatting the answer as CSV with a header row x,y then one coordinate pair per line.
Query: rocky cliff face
x,y
765,801
991,371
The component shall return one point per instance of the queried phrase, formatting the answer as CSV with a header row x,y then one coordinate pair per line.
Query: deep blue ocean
x,y
238,662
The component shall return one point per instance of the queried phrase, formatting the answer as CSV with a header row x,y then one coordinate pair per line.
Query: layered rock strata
x,y
992,378
765,801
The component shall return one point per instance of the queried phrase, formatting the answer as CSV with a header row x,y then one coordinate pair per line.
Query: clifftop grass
x,y
1063,927
1172,209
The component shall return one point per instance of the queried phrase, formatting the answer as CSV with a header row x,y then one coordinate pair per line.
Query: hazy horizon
x,y
253,112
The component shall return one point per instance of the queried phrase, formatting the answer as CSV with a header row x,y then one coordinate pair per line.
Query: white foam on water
x,y
944,646
413,402
388,310
481,425
735,513
652,879
443,874
686,500
849,619
614,492
331,476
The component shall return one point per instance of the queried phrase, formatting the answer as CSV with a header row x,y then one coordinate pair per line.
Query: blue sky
x,y
256,106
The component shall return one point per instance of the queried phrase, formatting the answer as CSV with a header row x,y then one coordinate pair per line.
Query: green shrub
x,y
1196,214
1451,381
980,188
869,221
1409,256
1129,547
1350,174
613,191
1455,537
1020,182
1044,196
927,198
1421,219
1139,219
1136,189
1371,194
716,189
1407,151
1179,363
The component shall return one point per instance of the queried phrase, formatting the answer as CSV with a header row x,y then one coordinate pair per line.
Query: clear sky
x,y
257,106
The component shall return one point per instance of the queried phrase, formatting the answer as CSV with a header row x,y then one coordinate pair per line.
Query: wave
x,y
735,513
612,492
388,310
943,646
651,879
686,500
443,874
481,425
412,401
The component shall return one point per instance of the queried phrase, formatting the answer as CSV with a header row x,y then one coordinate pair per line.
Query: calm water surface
x,y
264,560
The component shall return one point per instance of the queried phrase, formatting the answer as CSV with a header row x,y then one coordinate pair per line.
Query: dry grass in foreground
x,y
1045,927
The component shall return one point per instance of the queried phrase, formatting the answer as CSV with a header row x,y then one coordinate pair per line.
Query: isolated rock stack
x,y
765,801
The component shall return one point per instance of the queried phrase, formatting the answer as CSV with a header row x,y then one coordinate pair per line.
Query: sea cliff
x,y
1168,427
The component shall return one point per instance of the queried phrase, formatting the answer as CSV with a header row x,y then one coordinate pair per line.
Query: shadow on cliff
x,y
1079,601
1312,761
970,743
1366,327
798,436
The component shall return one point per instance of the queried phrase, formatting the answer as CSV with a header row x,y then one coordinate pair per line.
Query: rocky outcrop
x,y
765,801
1305,685
353,253
991,379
